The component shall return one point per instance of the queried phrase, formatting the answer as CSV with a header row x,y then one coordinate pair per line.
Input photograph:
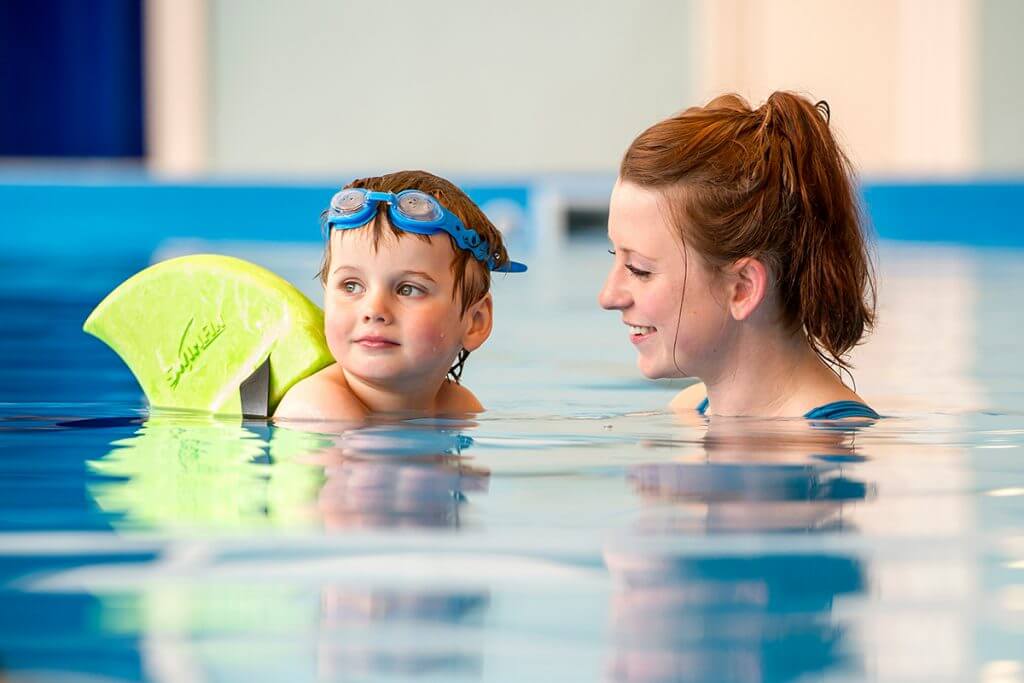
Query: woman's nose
x,y
613,296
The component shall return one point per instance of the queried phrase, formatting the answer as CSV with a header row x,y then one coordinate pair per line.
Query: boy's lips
x,y
374,342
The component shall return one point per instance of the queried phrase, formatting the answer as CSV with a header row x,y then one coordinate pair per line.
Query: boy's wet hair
x,y
472,277
771,183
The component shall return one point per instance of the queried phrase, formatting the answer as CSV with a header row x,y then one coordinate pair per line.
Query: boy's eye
x,y
352,287
410,290
638,273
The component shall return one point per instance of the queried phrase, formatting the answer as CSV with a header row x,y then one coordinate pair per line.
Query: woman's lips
x,y
640,333
640,338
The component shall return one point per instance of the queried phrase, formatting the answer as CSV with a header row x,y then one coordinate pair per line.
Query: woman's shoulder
x,y
689,398
324,395
832,402
839,406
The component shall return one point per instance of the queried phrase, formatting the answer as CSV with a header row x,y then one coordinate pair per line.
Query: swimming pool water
x,y
575,531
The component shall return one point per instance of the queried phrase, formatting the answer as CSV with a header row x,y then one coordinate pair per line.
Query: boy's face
x,y
389,315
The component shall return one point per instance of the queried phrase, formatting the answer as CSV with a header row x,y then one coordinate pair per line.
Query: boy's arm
x,y
321,396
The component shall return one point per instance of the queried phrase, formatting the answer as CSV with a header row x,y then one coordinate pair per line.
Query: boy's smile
x,y
390,316
372,341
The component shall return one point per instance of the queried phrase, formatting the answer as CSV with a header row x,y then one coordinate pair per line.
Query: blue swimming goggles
x,y
412,211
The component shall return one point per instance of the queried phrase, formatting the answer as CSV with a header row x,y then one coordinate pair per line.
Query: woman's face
x,y
668,296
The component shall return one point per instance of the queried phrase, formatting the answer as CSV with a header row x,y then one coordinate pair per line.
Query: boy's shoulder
x,y
324,395
457,399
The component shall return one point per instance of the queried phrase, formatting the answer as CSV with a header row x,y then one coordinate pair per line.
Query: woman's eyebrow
x,y
627,251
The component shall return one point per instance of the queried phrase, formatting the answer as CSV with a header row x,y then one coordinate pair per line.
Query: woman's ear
x,y
748,286
480,318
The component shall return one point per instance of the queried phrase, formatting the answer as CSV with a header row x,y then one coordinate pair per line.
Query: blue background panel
x,y
71,80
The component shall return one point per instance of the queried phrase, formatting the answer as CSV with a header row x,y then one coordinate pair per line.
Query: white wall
x,y
1001,92
318,88
462,86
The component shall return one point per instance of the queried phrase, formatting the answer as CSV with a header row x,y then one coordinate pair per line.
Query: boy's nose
x,y
376,310
612,296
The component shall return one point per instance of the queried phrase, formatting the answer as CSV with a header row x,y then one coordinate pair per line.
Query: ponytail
x,y
771,183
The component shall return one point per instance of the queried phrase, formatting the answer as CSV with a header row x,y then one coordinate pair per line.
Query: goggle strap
x,y
465,238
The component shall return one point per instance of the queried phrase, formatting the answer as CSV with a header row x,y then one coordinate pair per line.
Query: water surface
x,y
574,531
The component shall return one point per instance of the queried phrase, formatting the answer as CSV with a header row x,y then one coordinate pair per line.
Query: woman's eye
x,y
612,252
409,290
636,272
352,287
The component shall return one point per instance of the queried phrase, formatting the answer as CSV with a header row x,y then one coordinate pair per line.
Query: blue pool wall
x,y
136,216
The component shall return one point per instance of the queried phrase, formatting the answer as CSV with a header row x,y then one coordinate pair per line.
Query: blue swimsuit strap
x,y
702,407
836,410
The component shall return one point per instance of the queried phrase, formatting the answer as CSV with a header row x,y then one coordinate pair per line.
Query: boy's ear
x,y
748,286
480,317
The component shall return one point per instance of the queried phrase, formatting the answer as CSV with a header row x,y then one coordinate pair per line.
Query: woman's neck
x,y
771,374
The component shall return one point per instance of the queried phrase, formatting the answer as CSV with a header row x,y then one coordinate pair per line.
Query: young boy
x,y
406,276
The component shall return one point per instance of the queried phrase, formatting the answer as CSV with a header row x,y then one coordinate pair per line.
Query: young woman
x,y
740,259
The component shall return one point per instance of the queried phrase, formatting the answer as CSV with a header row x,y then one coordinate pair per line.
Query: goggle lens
x,y
348,202
418,206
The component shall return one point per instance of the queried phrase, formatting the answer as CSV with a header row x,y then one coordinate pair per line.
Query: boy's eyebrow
x,y
419,273
404,273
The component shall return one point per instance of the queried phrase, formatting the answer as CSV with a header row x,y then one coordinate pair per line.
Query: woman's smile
x,y
640,333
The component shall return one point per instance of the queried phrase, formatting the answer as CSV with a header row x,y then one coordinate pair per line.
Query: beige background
x,y
918,88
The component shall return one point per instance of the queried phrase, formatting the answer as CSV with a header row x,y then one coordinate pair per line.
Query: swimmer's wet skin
x,y
744,265
406,272
193,329
220,335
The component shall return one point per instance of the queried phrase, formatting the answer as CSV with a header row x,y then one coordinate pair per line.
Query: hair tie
x,y
822,106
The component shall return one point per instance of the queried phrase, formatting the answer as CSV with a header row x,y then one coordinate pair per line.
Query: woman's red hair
x,y
770,183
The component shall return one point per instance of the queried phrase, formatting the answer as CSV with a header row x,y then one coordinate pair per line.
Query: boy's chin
x,y
386,375
376,375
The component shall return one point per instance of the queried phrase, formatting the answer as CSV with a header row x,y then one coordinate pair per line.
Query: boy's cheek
x,y
335,333
437,336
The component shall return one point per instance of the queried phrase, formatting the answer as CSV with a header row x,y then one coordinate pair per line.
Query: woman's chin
x,y
650,370
654,370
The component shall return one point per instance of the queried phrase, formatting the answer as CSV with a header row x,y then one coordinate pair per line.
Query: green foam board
x,y
192,329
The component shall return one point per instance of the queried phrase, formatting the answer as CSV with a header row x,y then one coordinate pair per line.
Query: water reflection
x,y
395,477
189,470
681,613
203,472
198,471
344,652
756,475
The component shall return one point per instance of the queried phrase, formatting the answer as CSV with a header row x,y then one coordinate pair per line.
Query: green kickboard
x,y
193,328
